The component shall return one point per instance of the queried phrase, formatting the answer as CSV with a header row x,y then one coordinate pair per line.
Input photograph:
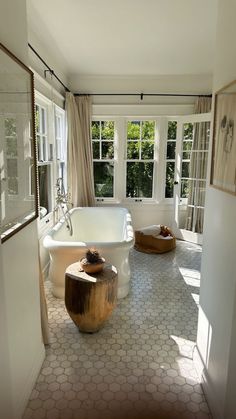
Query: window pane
x,y
96,153
11,167
13,186
148,130
185,188
11,148
95,130
171,150
107,150
133,150
199,164
197,188
185,169
170,174
186,155
58,127
172,130
61,170
44,186
107,130
188,131
43,114
37,118
58,150
139,179
103,179
147,150
10,127
187,145
133,130
38,148
202,135
45,157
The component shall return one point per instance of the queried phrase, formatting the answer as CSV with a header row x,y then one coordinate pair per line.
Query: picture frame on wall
x,y
223,164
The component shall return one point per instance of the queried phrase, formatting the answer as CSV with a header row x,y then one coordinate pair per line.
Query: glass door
x,y
192,147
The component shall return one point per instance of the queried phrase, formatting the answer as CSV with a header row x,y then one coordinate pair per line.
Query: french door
x,y
192,149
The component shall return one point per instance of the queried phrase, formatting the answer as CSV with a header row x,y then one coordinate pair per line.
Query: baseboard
x,y
206,386
28,386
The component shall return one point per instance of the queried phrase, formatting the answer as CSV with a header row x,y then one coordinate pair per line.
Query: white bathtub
x,y
108,229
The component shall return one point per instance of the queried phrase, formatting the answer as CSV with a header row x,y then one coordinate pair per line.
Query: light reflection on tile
x,y
140,364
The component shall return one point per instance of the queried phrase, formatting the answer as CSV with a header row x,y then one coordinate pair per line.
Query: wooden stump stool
x,y
90,298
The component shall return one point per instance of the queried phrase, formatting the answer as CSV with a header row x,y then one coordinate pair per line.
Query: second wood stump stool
x,y
90,299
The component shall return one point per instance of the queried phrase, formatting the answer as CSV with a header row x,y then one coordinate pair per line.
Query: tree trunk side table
x,y
90,299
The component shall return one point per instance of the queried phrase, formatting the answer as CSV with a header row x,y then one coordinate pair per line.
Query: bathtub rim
x,y
50,243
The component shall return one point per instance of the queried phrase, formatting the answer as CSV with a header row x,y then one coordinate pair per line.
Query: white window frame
x,y
120,141
52,163
114,160
61,158
161,114
154,160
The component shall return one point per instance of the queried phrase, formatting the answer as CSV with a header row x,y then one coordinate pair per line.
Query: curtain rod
x,y
141,95
48,68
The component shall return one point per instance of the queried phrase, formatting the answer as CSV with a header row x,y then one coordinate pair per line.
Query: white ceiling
x,y
126,37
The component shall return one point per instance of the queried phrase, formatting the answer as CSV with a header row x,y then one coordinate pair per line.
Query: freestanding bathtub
x,y
108,229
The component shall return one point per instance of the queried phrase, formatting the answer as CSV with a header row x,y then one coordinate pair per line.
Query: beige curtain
x,y
198,169
43,305
79,150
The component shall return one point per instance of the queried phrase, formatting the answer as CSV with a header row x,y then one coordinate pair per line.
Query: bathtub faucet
x,y
62,202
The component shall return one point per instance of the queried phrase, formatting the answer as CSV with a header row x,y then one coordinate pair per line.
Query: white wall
x,y
39,67
5,380
217,318
22,350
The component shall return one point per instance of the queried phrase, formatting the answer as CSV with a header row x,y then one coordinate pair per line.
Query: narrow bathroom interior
x,y
141,363
124,106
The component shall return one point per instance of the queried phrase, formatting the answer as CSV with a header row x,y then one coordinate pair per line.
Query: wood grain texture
x,y
90,299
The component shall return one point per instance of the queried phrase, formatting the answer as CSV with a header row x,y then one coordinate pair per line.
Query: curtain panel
x,y
79,150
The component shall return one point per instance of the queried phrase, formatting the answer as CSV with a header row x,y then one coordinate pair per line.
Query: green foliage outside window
x,y
103,179
133,130
170,174
107,130
103,152
139,179
172,130
140,147
170,157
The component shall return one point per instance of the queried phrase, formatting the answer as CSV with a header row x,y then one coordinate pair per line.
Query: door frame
x,y
179,202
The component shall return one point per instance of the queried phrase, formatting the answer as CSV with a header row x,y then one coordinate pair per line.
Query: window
x,y
170,158
11,155
50,135
103,158
41,133
140,159
187,145
44,166
60,143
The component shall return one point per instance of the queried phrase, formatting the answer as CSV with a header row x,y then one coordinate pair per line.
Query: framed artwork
x,y
223,165
18,170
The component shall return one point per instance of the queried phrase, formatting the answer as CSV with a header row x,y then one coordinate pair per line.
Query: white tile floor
x,y
140,364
